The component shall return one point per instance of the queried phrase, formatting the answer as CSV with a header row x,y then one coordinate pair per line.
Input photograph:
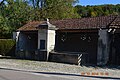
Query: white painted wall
x,y
50,40
49,37
16,35
42,35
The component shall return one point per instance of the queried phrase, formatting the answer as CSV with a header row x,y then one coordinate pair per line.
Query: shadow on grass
x,y
64,74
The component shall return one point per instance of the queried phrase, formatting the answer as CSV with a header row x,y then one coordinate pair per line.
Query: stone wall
x,y
103,47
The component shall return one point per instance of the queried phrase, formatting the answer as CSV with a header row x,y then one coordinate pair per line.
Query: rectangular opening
x,y
42,44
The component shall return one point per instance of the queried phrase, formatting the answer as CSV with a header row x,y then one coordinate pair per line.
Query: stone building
x,y
94,40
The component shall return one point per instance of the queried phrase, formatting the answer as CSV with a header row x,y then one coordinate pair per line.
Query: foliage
x,y
13,15
6,46
16,13
60,9
98,10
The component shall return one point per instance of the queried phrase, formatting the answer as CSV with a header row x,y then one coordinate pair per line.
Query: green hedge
x,y
7,47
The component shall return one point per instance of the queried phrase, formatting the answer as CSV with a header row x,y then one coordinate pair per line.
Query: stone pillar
x,y
21,40
42,35
16,36
103,47
46,32
50,41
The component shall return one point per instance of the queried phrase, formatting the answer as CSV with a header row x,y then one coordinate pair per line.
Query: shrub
x,y
6,47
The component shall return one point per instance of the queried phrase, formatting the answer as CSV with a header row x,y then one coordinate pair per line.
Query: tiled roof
x,y
81,23
31,26
116,23
84,23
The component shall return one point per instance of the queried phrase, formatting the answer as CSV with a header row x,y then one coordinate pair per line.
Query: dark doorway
x,y
114,57
85,42
30,39
42,44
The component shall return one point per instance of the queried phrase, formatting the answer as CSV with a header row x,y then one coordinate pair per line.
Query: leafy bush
x,y
7,47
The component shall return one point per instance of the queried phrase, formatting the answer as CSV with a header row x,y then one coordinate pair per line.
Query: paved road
x,y
7,74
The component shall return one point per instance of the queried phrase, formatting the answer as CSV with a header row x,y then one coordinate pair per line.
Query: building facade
x,y
93,40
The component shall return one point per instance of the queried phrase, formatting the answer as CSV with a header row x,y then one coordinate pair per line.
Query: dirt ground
x,y
40,66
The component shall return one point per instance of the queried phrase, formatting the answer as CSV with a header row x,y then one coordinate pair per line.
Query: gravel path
x,y
39,66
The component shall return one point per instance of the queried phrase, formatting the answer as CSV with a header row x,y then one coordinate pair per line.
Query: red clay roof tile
x,y
81,23
116,23
31,26
84,23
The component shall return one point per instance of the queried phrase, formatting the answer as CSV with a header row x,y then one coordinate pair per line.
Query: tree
x,y
98,10
37,3
59,9
13,15
2,2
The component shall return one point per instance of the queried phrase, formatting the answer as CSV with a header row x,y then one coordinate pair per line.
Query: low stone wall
x,y
41,55
64,58
78,59
32,55
71,58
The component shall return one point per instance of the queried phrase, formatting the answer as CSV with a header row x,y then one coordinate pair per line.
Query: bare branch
x,y
2,2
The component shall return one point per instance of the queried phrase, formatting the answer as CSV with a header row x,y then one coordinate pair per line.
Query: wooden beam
x,y
78,30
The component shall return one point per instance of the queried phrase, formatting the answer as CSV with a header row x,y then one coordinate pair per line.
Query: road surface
x,y
9,74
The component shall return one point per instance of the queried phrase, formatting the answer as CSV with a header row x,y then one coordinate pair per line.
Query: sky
x,y
98,2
